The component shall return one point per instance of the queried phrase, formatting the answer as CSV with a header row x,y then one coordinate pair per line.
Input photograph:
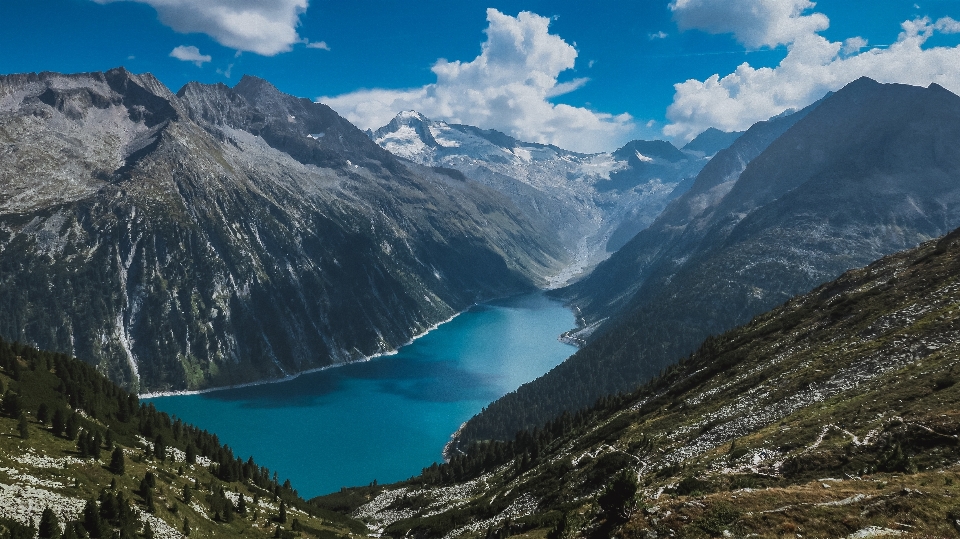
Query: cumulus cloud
x,y
190,54
507,88
266,27
322,45
755,24
813,66
853,45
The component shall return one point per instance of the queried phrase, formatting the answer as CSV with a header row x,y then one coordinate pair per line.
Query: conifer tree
x,y
282,518
12,404
91,518
148,501
58,422
117,462
23,426
241,504
49,525
43,413
82,445
186,527
73,426
160,447
70,532
96,441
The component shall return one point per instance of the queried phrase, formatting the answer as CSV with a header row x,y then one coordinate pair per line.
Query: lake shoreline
x,y
386,419
185,392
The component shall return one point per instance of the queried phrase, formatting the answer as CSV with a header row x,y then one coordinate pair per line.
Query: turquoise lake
x,y
387,418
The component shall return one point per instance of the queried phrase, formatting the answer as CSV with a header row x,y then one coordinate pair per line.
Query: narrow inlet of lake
x,y
388,418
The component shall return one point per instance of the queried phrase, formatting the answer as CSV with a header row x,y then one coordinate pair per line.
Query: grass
x,y
837,412
81,479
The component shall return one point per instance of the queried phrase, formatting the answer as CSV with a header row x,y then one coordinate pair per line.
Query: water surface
x,y
387,418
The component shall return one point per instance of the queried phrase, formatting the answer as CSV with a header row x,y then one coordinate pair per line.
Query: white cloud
x,y
755,24
659,35
190,54
853,45
813,66
507,88
266,27
322,45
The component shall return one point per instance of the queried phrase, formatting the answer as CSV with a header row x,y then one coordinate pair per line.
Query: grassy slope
x,y
834,413
45,470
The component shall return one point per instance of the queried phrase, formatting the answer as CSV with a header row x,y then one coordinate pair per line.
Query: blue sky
x,y
586,76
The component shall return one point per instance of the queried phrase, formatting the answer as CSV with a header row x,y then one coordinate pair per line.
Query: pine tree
x,y
117,462
49,525
186,527
187,495
147,531
617,500
91,518
282,518
148,482
58,422
148,501
241,504
96,441
108,505
73,426
70,532
23,426
43,413
82,445
12,404
160,447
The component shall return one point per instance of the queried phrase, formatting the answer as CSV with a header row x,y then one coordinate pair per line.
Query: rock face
x,y
866,172
225,235
596,202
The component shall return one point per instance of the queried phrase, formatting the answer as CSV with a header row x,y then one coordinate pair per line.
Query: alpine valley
x,y
228,235
595,202
768,320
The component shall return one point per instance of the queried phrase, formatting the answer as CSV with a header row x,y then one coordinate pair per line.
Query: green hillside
x,y
834,415
81,457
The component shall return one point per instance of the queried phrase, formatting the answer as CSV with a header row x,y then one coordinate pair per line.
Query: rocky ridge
x,y
596,202
226,235
863,173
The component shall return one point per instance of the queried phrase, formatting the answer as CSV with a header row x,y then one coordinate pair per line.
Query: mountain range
x,y
792,203
595,202
226,235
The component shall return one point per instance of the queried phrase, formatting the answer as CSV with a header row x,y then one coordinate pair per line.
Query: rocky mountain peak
x,y
711,141
408,124
645,151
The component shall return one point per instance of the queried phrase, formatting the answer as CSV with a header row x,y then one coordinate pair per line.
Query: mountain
x,y
226,235
675,232
712,141
595,202
865,172
87,455
834,415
